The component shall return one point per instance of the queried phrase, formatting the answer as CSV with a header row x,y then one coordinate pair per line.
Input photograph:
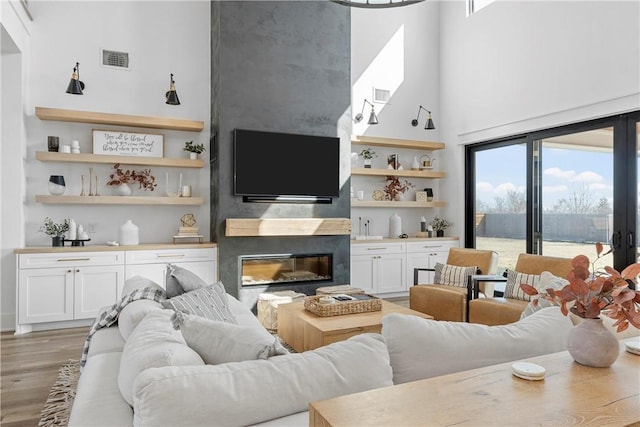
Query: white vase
x,y
124,190
590,343
128,234
395,226
193,156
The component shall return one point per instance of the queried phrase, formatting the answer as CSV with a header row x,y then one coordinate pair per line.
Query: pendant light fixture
x,y
75,85
429,125
172,95
373,119
376,4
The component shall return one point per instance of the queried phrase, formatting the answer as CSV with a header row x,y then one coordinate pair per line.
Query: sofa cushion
x,y
421,348
106,340
210,302
221,342
512,288
179,280
139,282
98,401
133,313
153,343
452,275
254,391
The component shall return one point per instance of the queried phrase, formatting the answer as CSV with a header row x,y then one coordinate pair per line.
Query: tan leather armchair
x,y
500,311
445,302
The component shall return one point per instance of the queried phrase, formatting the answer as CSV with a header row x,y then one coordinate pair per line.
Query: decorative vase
x,y
398,197
124,190
439,233
395,226
590,343
57,241
367,163
193,156
128,234
56,185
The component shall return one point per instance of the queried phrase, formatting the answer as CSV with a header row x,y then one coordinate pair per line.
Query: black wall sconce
x,y
172,95
75,85
429,124
373,119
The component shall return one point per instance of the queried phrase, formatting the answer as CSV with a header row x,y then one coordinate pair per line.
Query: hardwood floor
x,y
29,366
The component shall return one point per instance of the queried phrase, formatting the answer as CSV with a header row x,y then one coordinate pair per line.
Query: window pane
x,y
577,194
501,202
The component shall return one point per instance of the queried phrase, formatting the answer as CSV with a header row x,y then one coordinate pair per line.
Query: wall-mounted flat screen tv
x,y
272,166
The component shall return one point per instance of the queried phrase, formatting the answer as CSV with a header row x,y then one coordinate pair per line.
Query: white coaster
x,y
528,371
633,346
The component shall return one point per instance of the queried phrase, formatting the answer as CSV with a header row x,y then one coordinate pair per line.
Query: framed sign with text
x,y
123,143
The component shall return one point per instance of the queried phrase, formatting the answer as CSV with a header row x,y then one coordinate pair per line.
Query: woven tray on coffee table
x,y
342,307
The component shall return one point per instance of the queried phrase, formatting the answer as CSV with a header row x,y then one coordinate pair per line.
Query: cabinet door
x,y
45,295
362,274
157,272
419,260
390,271
96,287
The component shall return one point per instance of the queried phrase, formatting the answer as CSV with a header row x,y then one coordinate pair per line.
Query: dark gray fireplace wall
x,y
280,66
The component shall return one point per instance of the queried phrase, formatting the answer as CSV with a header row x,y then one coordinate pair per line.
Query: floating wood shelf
x,y
46,156
118,200
242,227
391,172
396,143
151,122
395,204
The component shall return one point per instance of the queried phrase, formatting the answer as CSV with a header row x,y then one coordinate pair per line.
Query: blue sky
x,y
565,172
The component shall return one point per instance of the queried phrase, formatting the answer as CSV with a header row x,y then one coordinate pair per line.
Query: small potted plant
x,y
439,225
122,178
368,154
193,149
396,188
55,230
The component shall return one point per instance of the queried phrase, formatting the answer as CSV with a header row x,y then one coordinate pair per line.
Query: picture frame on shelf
x,y
421,196
126,143
429,192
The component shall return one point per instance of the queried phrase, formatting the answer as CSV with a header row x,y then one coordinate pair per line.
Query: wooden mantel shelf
x,y
396,143
151,122
244,227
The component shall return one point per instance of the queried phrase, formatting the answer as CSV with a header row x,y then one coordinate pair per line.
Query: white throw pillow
x,y
133,313
221,342
452,275
139,282
153,343
547,281
254,391
421,348
512,288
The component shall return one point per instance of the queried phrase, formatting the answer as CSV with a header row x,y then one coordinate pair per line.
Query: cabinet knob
x,y
77,270
69,271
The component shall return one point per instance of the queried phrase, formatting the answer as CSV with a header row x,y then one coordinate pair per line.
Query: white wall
x,y
395,49
520,66
15,27
162,37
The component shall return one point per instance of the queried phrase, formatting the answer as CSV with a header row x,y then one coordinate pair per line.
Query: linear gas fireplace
x,y
260,270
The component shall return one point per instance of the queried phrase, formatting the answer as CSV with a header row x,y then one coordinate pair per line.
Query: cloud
x,y
507,187
588,177
484,186
559,173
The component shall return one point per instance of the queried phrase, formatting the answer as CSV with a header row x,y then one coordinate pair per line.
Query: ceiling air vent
x,y
112,58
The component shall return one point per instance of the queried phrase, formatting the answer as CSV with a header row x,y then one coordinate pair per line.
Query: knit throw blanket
x,y
109,316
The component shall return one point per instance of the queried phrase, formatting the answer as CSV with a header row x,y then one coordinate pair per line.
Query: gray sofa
x,y
141,371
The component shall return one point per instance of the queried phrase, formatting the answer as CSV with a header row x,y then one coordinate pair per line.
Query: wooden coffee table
x,y
304,331
570,394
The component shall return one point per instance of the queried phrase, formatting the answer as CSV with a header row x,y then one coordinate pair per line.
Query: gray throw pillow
x,y
210,302
180,280
221,342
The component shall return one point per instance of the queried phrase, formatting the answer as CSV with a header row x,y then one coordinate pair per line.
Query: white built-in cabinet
x,y
385,267
60,287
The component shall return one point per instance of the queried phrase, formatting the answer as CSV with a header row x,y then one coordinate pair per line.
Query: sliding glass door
x,y
557,192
